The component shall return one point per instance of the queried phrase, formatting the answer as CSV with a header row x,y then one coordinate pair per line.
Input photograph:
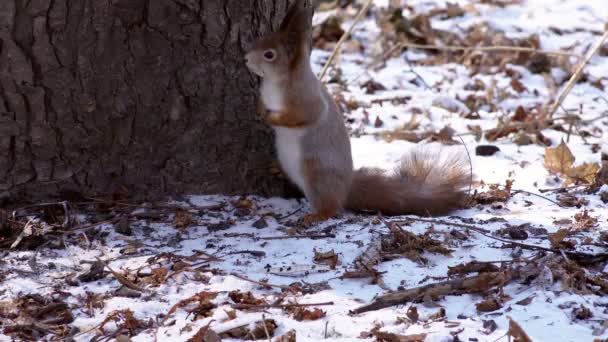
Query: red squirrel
x,y
313,145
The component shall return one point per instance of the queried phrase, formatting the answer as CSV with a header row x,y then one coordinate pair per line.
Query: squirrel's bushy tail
x,y
423,184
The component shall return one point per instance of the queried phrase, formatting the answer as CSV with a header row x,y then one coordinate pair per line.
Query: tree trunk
x,y
150,97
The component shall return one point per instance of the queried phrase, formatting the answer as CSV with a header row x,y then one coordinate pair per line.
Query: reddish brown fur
x,y
327,196
291,117
421,185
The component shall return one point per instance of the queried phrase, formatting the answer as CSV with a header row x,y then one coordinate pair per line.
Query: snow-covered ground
x,y
216,243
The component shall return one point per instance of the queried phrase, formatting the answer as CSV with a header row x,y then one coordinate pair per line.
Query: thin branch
x,y
280,306
580,257
496,48
346,34
577,74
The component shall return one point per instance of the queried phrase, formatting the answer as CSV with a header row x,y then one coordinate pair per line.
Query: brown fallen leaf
x,y
245,298
471,267
559,160
518,86
290,336
558,241
412,314
204,303
583,174
488,305
525,301
303,314
584,221
205,335
328,258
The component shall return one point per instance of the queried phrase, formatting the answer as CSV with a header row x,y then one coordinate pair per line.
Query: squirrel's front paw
x,y
274,118
312,219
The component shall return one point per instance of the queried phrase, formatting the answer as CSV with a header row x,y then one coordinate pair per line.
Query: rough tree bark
x,y
151,96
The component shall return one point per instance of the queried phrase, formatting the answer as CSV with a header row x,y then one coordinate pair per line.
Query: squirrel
x,y
313,145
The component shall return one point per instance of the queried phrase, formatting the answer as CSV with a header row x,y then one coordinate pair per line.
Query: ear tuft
x,y
298,19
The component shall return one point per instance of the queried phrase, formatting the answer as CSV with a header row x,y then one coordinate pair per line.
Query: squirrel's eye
x,y
269,55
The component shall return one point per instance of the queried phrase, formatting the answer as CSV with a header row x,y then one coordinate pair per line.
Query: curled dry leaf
x,y
245,298
203,301
124,320
471,267
584,221
304,314
290,336
489,305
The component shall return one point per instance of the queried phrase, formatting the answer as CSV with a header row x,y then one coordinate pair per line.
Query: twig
x,y
22,234
122,279
290,214
542,191
346,34
537,195
577,74
479,283
581,257
279,306
495,48
305,236
282,287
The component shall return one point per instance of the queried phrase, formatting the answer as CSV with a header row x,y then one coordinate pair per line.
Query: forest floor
x,y
526,259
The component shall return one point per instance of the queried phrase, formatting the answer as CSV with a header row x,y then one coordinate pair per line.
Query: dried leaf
x,y
205,335
245,298
582,313
518,86
290,336
328,258
489,305
558,241
471,267
183,219
203,301
582,174
584,221
303,314
559,160
526,301
412,314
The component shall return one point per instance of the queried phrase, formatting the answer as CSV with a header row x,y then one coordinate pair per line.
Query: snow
x,y
285,261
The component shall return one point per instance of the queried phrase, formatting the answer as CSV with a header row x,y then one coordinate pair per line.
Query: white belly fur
x,y
289,151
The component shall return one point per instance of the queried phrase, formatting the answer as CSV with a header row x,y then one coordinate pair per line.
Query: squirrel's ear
x,y
298,19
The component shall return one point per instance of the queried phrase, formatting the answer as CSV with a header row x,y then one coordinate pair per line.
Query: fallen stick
x,y
281,306
476,284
